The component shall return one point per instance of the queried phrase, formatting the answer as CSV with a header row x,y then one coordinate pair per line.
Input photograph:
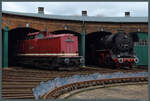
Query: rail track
x,y
17,83
100,91
78,85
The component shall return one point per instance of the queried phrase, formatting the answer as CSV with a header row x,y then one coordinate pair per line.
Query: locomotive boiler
x,y
115,50
43,49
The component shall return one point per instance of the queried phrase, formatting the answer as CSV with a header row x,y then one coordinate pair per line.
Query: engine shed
x,y
16,25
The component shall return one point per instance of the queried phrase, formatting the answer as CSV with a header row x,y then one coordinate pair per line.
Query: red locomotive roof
x,y
35,33
49,35
60,35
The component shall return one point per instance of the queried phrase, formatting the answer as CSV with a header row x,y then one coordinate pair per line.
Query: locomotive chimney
x,y
120,30
84,13
40,10
127,14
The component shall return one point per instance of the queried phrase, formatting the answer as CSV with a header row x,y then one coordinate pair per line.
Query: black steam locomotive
x,y
115,50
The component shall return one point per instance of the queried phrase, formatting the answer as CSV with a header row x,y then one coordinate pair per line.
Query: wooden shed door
x,y
141,49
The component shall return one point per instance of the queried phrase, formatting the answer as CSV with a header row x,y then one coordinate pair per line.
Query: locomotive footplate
x,y
125,62
51,62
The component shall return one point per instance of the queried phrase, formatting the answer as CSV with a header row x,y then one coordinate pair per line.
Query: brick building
x,y
16,24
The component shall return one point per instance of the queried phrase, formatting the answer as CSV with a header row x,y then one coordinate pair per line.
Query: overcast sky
x,y
108,9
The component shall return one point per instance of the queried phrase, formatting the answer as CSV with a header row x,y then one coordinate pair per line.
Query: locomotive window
x,y
146,42
136,43
143,42
30,37
39,36
69,40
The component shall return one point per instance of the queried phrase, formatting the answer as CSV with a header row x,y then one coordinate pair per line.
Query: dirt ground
x,y
139,91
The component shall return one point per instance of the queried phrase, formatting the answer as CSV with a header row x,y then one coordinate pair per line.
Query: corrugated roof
x,y
81,18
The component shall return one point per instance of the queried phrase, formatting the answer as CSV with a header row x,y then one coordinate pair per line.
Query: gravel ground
x,y
118,92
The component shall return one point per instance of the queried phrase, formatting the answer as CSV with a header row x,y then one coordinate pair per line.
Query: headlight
x,y
118,55
82,60
120,60
136,60
67,60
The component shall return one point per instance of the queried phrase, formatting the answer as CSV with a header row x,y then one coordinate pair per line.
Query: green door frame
x,y
141,49
5,47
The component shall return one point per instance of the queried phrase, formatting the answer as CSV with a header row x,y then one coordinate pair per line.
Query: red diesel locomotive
x,y
48,50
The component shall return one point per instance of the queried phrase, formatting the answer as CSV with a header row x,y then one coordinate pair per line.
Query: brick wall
x,y
13,21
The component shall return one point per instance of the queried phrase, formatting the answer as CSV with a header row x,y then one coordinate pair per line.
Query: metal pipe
x,y
149,48
83,40
5,47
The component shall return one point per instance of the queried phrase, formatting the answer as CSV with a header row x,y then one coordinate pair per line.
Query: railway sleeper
x,y
106,82
78,87
133,80
89,84
74,87
120,81
137,79
62,92
53,95
56,95
115,81
86,85
70,88
94,84
102,83
110,81
143,79
124,80
98,83
65,90
127,80
82,85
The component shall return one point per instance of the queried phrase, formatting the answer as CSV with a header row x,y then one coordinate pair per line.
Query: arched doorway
x,y
93,43
13,36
